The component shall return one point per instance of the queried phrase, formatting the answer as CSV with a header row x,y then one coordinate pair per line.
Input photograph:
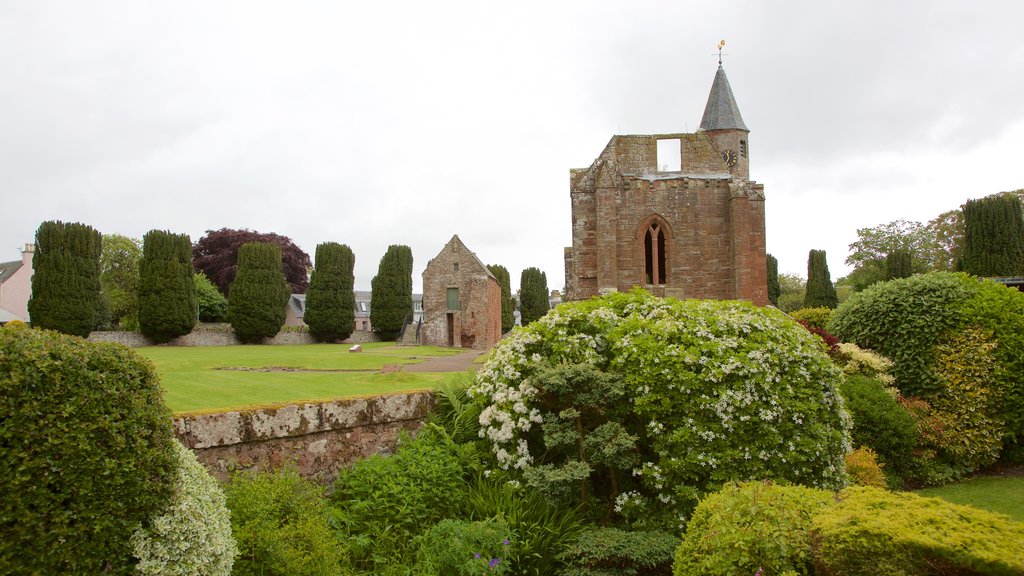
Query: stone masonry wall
x,y
220,335
319,438
477,321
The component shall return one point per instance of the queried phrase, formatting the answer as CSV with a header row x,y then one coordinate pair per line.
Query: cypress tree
x,y
508,319
820,290
993,236
391,292
898,264
533,295
330,301
259,293
167,293
774,288
66,278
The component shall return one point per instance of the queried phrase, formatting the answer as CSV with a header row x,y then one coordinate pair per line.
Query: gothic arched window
x,y
654,253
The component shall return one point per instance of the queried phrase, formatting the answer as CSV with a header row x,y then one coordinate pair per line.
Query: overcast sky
x,y
377,123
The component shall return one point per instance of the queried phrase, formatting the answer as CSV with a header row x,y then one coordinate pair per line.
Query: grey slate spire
x,y
721,112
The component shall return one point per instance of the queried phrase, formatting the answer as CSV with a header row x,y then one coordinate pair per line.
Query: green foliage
x,y
815,317
455,412
66,278
508,306
191,535
391,292
258,294
750,526
279,521
213,306
464,548
793,289
330,301
119,279
863,467
946,232
615,552
907,319
774,288
167,293
85,453
382,502
993,236
872,531
533,295
543,530
707,390
898,264
820,290
881,423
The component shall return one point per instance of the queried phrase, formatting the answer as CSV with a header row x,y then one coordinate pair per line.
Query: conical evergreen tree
x,y
167,293
899,264
259,293
508,319
66,278
820,290
533,295
774,288
993,236
330,301
391,292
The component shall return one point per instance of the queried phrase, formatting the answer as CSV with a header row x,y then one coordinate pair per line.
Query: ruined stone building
x,y
675,213
461,300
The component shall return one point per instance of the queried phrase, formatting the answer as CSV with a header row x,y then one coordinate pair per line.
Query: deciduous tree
x,y
330,301
66,278
391,292
167,293
259,293
216,255
213,306
119,279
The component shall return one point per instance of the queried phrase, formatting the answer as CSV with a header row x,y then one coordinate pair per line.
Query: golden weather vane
x,y
721,44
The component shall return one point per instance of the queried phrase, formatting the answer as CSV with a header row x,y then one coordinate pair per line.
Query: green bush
x,y
533,295
66,278
279,521
543,530
464,548
820,290
706,391
192,534
86,453
881,423
259,293
330,302
167,293
907,319
382,502
749,526
816,317
863,468
615,552
213,306
872,531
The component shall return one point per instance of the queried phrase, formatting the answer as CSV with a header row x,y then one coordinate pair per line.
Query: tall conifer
x,y
898,264
391,292
820,290
167,292
330,301
508,319
259,293
533,295
66,278
774,288
993,236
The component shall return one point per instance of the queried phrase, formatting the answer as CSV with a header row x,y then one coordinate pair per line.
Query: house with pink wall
x,y
16,286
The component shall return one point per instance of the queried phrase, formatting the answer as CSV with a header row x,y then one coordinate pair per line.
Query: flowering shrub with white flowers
x,y
711,391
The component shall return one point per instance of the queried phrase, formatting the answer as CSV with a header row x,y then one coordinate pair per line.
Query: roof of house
x,y
721,112
7,269
456,241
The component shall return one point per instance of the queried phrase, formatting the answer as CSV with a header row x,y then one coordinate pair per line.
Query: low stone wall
x,y
220,335
318,438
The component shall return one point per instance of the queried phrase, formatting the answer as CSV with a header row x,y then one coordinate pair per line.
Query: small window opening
x,y
654,254
670,155
743,148
456,266
453,299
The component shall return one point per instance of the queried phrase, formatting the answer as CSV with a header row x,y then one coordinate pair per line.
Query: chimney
x,y
26,254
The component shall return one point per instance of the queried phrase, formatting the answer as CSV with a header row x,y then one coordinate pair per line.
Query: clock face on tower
x,y
729,157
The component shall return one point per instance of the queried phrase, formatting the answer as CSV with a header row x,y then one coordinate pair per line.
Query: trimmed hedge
x,y
872,531
86,453
330,302
66,278
615,552
880,423
259,293
167,292
750,526
815,317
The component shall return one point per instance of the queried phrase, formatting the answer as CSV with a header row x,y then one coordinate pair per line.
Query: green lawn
x,y
194,378
1003,494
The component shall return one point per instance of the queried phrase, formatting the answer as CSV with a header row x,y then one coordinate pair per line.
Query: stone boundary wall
x,y
220,335
318,438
